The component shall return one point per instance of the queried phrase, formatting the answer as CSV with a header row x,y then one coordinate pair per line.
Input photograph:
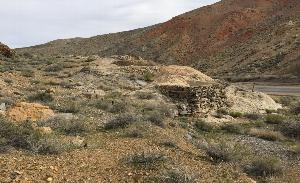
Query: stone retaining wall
x,y
196,100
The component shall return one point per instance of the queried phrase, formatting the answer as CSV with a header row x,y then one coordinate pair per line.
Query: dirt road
x,y
273,88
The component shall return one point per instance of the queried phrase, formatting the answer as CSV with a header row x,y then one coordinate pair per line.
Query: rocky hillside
x,y
229,38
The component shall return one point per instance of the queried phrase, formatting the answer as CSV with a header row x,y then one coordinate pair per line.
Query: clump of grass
x,y
233,128
69,107
253,116
274,119
121,121
223,152
176,176
266,134
202,125
270,111
145,159
168,143
41,97
295,109
28,73
264,167
236,114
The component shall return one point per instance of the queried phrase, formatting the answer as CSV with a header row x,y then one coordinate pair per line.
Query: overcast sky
x,y
31,22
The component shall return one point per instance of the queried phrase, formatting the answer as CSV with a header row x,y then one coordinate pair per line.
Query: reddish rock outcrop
x,y
6,51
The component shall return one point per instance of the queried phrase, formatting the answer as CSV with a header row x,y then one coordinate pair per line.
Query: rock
x,y
29,111
6,51
2,109
49,179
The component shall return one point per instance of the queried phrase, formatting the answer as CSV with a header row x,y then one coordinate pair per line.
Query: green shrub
x,y
121,121
69,107
148,76
264,167
170,144
236,114
233,128
113,106
274,119
201,125
28,73
223,152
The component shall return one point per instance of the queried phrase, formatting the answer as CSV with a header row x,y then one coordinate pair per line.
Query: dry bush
x,y
223,152
265,166
202,125
145,160
176,176
233,128
266,134
121,121
290,128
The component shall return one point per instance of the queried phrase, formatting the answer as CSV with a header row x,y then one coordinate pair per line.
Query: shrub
x,y
274,119
176,176
266,134
148,76
264,167
41,97
145,159
169,144
69,107
54,68
145,95
113,106
121,121
28,73
222,152
202,125
18,136
270,111
291,128
296,109
233,128
69,127
236,114
222,111
156,118
253,116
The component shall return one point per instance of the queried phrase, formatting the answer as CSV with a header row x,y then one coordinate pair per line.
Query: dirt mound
x,y
6,51
181,76
29,111
249,102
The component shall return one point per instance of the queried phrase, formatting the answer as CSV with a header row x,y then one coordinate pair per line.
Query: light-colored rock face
x,y
181,76
249,102
29,111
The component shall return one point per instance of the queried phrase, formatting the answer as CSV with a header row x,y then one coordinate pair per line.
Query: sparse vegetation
x,y
202,125
233,128
236,114
265,166
176,176
156,119
41,97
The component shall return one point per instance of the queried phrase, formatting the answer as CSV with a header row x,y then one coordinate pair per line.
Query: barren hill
x,y
231,37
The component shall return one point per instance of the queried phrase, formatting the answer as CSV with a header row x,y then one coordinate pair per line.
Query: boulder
x,y
29,111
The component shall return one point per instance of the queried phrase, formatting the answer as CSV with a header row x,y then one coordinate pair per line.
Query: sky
x,y
31,22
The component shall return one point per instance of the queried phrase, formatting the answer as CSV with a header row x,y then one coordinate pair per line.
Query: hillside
x,y
229,38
